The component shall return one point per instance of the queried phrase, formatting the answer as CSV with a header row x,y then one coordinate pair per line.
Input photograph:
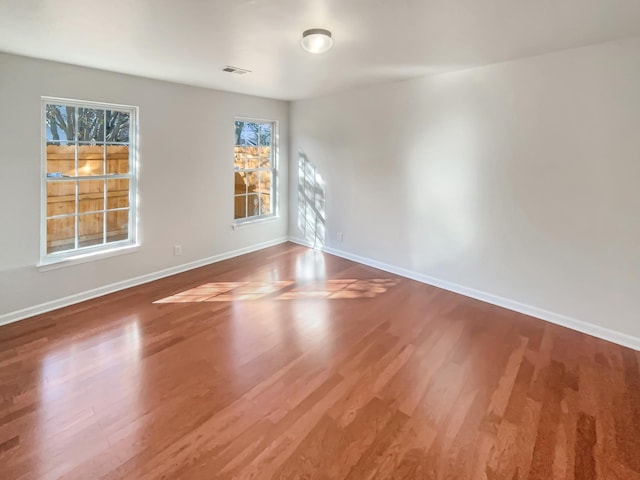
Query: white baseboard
x,y
114,287
552,317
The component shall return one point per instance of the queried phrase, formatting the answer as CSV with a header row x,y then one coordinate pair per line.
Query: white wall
x,y
520,180
186,176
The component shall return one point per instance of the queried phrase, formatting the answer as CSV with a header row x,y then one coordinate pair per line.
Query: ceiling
x,y
189,41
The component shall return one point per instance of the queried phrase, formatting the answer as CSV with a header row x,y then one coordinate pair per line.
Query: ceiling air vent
x,y
236,70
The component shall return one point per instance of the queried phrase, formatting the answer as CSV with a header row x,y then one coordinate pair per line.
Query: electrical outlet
x,y
177,250
339,236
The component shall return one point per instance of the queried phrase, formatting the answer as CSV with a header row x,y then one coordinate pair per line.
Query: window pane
x,y
265,204
90,195
60,123
91,125
265,157
240,183
264,181
61,161
238,133
253,205
240,206
90,160
90,229
252,156
61,198
246,133
117,225
91,188
239,161
252,181
117,126
264,133
117,158
118,193
61,234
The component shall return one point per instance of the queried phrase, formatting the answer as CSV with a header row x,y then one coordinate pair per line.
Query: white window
x,y
255,170
89,178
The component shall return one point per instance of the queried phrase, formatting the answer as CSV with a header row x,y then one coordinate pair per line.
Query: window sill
x,y
246,223
47,265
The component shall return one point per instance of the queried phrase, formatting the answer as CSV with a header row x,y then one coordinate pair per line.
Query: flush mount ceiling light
x,y
316,40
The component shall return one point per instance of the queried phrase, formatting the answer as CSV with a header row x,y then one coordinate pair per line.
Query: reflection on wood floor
x,y
286,290
359,374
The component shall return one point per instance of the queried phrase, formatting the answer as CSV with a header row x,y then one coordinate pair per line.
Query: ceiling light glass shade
x,y
316,40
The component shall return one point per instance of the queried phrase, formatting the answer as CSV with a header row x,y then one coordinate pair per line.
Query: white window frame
x,y
275,155
83,254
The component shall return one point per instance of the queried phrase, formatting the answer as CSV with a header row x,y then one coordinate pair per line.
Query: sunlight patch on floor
x,y
282,290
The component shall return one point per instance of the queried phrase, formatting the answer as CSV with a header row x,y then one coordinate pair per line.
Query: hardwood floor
x,y
289,363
